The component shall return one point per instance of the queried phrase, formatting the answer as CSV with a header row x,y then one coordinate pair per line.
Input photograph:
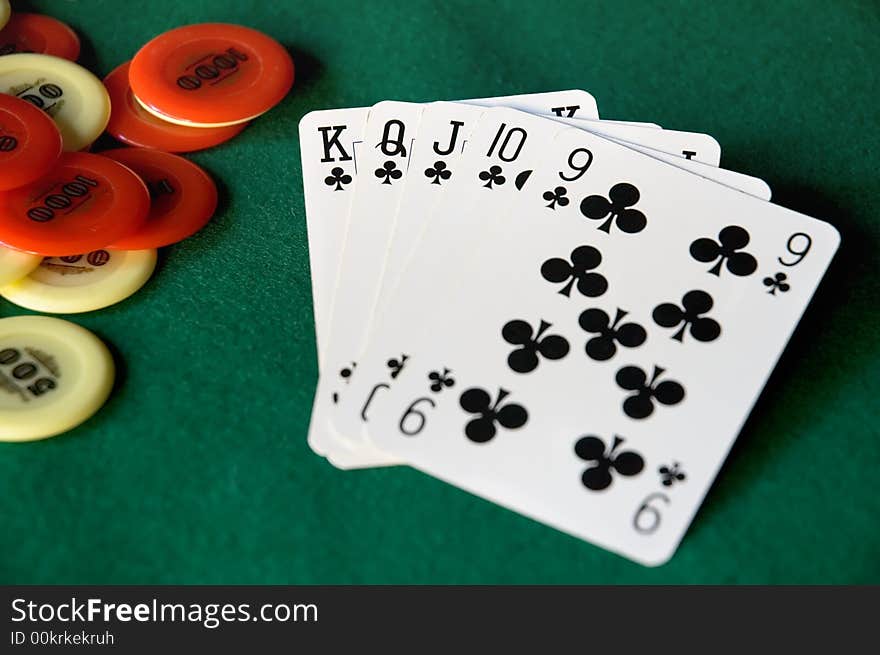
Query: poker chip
x,y
38,34
132,124
83,204
54,375
73,97
82,283
189,89
15,264
30,143
184,197
211,74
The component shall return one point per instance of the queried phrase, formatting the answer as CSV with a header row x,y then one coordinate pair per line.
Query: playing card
x,y
329,166
590,363
417,200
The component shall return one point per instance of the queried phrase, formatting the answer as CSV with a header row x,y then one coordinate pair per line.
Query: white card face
x,y
592,364
329,166
689,145
388,139
438,123
633,123
574,103
753,186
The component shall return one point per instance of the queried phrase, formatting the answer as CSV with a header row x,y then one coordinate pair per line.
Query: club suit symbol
x,y
603,346
556,197
727,251
777,283
483,428
395,365
440,380
337,177
492,177
640,404
525,358
438,172
617,209
388,171
606,461
689,316
671,474
578,269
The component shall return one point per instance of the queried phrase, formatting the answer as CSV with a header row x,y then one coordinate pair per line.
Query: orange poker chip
x,y
39,34
30,142
83,204
184,197
131,124
211,74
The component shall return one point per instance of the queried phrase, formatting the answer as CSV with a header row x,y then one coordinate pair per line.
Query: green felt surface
x,y
197,470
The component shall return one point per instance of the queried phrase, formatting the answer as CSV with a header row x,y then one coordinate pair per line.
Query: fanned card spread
x,y
568,316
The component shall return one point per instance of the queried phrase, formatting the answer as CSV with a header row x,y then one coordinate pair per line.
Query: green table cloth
x,y
197,470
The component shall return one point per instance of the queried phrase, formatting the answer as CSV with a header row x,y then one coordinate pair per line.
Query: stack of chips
x,y
78,230
197,86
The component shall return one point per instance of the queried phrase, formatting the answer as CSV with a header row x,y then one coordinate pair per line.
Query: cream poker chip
x,y
54,375
82,283
75,99
5,12
14,264
185,123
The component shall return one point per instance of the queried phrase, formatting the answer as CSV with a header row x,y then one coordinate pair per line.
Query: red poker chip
x,y
39,34
85,203
30,142
211,74
184,197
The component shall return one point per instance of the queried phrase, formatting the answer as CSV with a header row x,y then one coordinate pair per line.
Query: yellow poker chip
x,y
14,264
82,283
54,375
75,99
5,12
